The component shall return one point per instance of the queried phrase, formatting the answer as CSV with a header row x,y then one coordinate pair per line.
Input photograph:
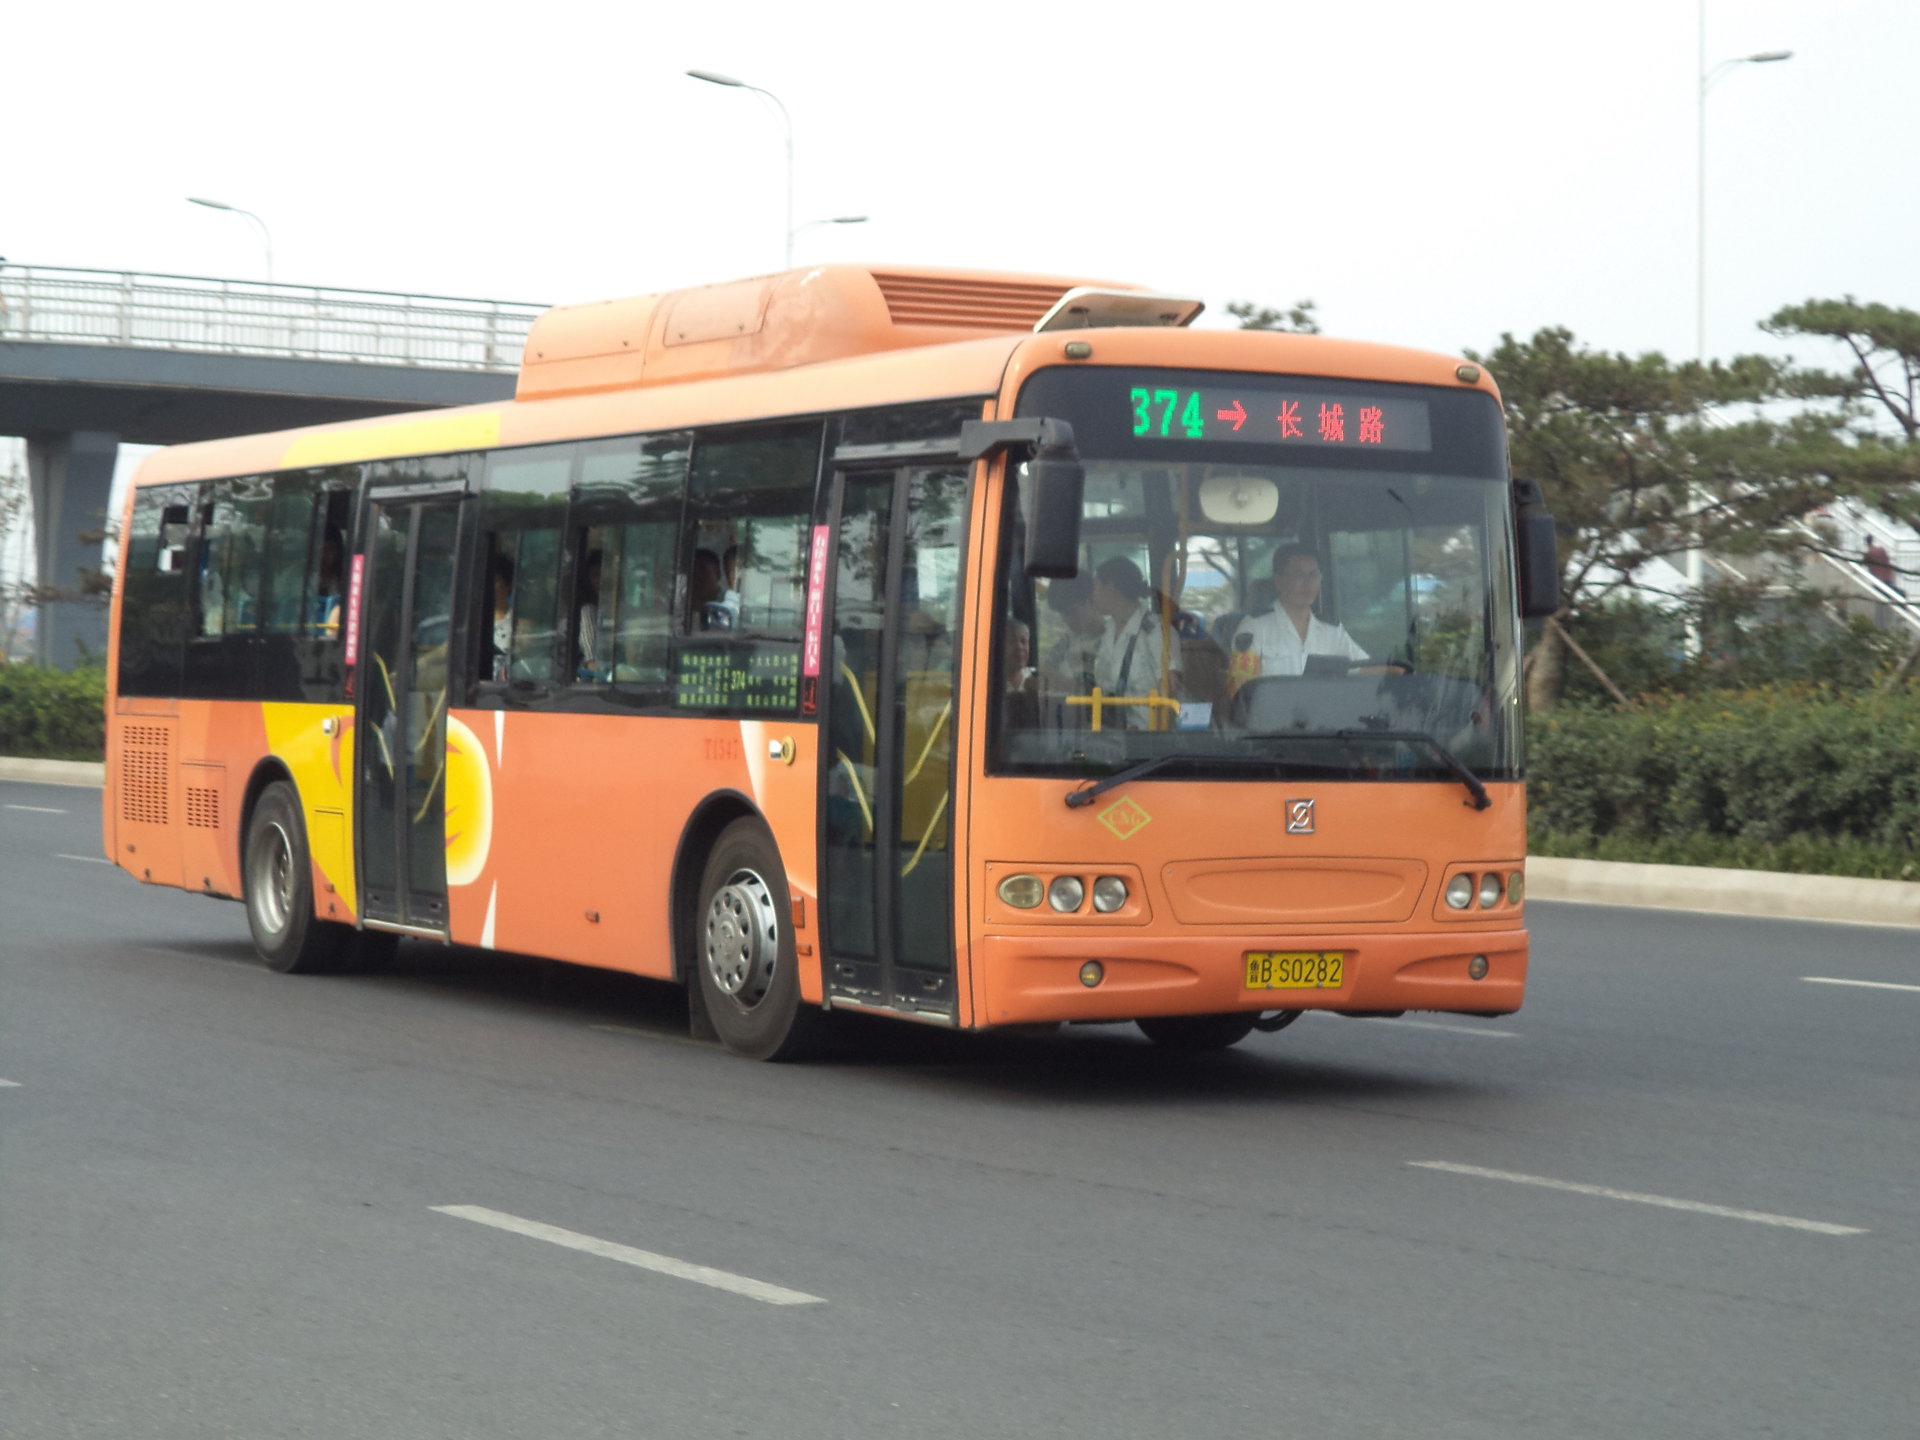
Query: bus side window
x,y
627,499
153,606
522,628
744,545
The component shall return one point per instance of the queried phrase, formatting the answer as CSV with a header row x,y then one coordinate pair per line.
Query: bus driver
x,y
1279,642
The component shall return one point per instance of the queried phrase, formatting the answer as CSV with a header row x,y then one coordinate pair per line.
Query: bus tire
x,y
1193,1033
748,974
277,880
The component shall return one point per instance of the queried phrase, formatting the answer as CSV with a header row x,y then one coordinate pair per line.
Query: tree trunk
x,y
1546,664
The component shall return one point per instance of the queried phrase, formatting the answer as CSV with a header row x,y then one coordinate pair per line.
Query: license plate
x,y
1295,969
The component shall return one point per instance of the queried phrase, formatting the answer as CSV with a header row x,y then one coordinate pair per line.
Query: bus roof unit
x,y
801,317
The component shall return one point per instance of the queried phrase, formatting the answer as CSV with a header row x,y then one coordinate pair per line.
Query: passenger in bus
x,y
711,609
500,631
325,614
1021,680
588,664
1068,663
1279,642
1129,661
730,575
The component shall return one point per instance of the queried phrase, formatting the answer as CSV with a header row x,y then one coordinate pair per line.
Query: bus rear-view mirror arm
x,y
1056,485
1536,547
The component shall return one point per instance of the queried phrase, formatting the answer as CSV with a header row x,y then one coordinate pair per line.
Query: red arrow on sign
x,y
1238,414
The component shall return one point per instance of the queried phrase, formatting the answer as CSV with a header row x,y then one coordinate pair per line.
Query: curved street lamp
x,y
786,127
811,224
1707,78
265,238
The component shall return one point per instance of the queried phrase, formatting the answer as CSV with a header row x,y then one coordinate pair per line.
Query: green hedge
x,y
1796,778
1788,778
53,714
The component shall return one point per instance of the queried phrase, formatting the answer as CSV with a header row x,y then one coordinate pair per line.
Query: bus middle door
x,y
402,671
887,886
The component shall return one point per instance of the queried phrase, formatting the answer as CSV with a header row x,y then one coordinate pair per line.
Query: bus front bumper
x,y
1033,979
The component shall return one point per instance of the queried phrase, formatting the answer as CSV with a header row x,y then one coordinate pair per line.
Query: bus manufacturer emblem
x,y
1299,817
1124,818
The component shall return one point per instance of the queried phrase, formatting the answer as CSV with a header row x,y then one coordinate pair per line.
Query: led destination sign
x,y
1273,417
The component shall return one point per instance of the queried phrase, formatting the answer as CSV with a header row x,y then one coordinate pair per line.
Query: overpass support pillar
x,y
70,476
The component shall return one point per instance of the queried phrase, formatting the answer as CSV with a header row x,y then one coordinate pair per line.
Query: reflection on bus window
x,y
1349,603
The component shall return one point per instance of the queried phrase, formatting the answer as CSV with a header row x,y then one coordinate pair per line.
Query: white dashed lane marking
x,y
1863,984
37,809
88,859
627,1255
1605,1192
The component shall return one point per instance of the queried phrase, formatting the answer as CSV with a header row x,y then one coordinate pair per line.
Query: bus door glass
x,y
888,813
401,676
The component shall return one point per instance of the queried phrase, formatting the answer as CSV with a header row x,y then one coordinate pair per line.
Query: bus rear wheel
x,y
277,879
748,973
1197,1032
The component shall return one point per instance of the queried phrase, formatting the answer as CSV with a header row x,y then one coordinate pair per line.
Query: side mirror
x,y
1056,482
1056,486
1536,548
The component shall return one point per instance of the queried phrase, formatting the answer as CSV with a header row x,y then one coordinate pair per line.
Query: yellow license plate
x,y
1295,969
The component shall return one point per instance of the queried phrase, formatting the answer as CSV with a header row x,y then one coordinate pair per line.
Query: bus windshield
x,y
1263,609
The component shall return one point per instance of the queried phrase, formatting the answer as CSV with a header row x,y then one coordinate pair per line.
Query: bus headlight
x,y
1022,892
1066,892
1516,887
1109,894
1490,888
1460,892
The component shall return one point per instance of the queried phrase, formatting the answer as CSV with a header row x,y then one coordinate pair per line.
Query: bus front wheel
x,y
278,883
749,976
1197,1032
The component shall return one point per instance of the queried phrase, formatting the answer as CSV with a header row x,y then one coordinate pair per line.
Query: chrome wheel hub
x,y
742,937
272,886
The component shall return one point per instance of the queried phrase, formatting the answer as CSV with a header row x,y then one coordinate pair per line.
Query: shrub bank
x,y
1788,778
1797,778
53,714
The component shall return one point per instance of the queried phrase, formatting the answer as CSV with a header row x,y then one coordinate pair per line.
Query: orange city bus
x,y
982,650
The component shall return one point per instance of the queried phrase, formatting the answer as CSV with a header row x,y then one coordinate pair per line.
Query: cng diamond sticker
x,y
1124,818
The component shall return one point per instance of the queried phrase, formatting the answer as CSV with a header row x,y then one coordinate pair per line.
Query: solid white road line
x,y
37,809
627,1255
1863,984
9,1084
90,859
1757,1217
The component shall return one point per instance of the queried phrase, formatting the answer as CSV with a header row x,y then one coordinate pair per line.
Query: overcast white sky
x,y
1431,174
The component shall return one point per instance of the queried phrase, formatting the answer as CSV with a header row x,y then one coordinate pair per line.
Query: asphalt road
x,y
234,1203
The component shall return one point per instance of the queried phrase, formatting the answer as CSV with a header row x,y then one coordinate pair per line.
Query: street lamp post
x,y
1696,557
265,239
1707,77
786,126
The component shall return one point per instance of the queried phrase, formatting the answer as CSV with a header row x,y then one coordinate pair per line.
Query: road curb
x,y
53,772
1763,893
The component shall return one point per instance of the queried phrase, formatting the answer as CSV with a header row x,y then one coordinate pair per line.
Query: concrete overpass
x,y
91,359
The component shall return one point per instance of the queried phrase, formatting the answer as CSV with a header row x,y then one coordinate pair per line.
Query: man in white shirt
x,y
1129,658
1279,642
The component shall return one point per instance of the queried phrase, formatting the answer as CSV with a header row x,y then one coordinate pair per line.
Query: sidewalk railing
x,y
243,317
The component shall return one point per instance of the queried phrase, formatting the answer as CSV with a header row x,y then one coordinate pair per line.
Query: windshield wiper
x,y
1481,800
1089,793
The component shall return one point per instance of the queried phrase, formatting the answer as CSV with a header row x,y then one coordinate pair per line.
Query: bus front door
x,y
401,674
887,889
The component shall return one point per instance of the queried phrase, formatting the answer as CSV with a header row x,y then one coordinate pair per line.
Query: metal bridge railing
x,y
245,317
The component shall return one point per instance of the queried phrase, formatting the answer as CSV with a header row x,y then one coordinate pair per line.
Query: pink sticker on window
x,y
353,608
816,602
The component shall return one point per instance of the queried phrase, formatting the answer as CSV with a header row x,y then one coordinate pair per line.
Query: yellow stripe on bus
x,y
441,434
